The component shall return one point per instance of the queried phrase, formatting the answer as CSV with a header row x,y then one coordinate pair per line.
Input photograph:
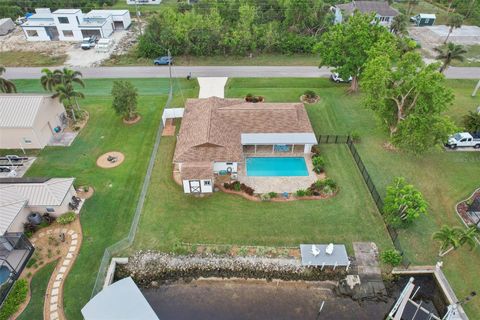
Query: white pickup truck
x,y
464,139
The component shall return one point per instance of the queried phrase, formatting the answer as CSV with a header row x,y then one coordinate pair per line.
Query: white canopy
x,y
278,138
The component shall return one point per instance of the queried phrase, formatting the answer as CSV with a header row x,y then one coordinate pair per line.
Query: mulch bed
x,y
133,121
85,195
462,208
306,100
103,162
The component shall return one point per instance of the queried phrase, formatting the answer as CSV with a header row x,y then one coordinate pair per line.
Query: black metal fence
x,y
349,141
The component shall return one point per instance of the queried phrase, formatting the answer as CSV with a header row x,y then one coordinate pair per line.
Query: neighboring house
x,y
28,121
73,25
22,196
6,25
216,134
424,19
383,12
144,1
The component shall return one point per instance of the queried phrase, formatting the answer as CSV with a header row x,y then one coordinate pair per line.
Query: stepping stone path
x,y
53,308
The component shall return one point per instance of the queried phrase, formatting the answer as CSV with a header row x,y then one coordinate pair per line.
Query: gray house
x,y
383,12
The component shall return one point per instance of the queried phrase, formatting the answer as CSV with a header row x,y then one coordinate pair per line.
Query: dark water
x,y
258,299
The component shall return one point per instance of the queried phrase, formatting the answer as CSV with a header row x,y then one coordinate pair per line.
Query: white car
x,y
464,139
336,78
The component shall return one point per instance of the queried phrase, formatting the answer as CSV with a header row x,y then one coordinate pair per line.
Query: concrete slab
x,y
212,87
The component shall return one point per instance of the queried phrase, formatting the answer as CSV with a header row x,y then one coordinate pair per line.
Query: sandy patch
x,y
103,162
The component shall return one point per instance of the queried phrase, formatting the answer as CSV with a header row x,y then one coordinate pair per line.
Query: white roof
x,y
11,203
108,12
120,300
278,138
66,11
20,110
427,16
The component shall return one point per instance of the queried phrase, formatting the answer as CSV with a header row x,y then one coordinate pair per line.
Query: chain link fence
x,y
127,241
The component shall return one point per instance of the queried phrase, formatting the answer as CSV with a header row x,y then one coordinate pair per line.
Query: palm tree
x,y
449,238
455,21
399,25
448,53
68,77
6,86
49,80
65,93
472,121
454,238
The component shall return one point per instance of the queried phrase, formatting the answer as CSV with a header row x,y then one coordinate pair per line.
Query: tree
x,y
124,99
454,21
448,53
409,100
454,238
6,86
403,204
66,93
52,80
49,80
399,25
411,4
346,46
68,77
472,121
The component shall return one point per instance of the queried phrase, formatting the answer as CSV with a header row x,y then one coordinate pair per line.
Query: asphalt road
x,y
213,71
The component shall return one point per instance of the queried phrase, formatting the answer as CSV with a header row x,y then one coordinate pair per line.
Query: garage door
x,y
118,25
88,33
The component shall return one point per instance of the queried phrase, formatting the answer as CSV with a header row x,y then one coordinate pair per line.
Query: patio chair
x,y
315,250
329,249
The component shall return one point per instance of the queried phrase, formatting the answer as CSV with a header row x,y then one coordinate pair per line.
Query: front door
x,y
195,186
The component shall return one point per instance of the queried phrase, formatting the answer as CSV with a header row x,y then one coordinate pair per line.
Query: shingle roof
x,y
211,128
20,110
197,170
380,7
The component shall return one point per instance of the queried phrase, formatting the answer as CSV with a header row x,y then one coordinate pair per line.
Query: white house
x,y
144,1
73,25
216,135
20,197
29,121
383,12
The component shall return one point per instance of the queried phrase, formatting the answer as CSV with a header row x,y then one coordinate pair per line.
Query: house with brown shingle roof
x,y
384,13
217,134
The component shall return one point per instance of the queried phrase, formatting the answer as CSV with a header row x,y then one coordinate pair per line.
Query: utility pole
x,y
474,93
138,17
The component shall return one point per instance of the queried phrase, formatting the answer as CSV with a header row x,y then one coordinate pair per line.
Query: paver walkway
x,y
53,305
212,87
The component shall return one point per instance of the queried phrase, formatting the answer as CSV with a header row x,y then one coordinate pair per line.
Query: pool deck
x,y
278,184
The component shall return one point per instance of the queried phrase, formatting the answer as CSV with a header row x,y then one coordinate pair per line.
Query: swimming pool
x,y
276,167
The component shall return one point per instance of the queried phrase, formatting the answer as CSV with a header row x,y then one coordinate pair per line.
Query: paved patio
x,y
63,139
279,184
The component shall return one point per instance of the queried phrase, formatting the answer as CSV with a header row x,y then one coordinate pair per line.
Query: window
x,y
229,163
63,20
67,33
27,141
32,33
206,182
50,210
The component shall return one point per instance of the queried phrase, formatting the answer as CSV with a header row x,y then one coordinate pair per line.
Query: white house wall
x,y
219,166
60,209
14,138
125,19
41,34
307,148
73,21
204,188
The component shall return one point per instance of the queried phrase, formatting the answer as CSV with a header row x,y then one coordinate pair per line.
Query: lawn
x,y
444,177
39,285
472,57
106,217
30,58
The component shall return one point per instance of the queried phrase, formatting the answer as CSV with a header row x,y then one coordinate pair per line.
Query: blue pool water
x,y
277,167
4,274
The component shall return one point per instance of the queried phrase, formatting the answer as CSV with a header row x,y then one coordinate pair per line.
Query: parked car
x,y
5,169
165,60
464,139
336,78
89,42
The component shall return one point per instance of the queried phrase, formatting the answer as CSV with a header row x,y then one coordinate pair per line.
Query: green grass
x,y
38,287
472,57
424,7
106,217
30,59
131,59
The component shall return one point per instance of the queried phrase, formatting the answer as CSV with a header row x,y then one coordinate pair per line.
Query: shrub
x,y
391,257
272,194
29,227
251,98
17,296
265,197
237,186
31,262
301,193
67,218
248,190
355,136
325,186
318,164
47,218
316,149
309,94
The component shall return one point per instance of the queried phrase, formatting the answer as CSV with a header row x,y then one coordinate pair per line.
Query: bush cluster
x,y
309,94
237,186
391,257
17,296
251,98
326,186
67,218
318,163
